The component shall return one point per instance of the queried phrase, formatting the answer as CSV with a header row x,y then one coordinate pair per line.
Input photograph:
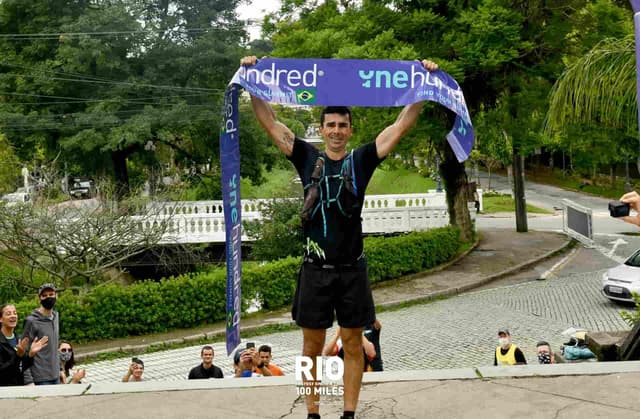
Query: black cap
x,y
47,286
505,331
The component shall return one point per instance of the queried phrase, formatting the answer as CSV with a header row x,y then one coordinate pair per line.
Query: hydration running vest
x,y
318,198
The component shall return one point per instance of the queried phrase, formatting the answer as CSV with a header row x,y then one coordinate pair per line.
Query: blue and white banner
x,y
324,82
230,165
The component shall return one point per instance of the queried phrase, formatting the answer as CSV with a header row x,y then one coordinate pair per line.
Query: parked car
x,y
620,282
17,198
82,188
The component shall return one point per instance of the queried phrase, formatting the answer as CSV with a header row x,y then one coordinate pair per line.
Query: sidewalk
x,y
498,253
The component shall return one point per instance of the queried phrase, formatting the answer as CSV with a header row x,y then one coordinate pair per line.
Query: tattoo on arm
x,y
287,140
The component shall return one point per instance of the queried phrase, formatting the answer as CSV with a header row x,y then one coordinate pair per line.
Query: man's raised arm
x,y
391,136
280,134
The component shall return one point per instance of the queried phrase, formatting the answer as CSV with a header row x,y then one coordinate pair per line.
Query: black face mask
x,y
544,358
48,302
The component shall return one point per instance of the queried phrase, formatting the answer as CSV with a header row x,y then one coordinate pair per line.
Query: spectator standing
x,y
15,354
206,369
507,353
544,353
44,321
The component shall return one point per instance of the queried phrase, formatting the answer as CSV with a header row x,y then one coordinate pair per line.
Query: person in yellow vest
x,y
507,353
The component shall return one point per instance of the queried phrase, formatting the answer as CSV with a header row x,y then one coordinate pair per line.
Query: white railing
x,y
203,221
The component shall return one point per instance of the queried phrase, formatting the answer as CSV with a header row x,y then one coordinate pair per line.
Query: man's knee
x,y
352,342
313,340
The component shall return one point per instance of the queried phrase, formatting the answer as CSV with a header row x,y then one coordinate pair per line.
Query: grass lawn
x,y
504,203
279,184
399,181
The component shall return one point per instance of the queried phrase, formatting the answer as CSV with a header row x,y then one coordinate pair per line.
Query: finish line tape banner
x,y
322,82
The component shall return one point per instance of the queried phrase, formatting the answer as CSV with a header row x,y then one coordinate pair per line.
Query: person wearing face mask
x,y
545,354
44,321
507,353
67,362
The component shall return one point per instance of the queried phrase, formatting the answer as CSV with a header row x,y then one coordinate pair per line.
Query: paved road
x,y
460,331
551,197
452,333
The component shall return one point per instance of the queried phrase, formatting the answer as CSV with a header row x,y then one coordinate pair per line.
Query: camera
x,y
619,209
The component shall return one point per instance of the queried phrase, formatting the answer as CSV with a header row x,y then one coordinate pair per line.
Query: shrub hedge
x,y
112,311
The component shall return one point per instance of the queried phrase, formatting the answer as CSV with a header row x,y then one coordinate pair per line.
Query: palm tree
x,y
599,88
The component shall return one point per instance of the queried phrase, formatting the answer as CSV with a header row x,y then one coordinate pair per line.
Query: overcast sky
x,y
256,10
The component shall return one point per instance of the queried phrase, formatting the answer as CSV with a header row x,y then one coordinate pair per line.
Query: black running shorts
x,y
321,291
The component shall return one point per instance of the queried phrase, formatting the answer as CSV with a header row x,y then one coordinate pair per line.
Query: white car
x,y
17,197
620,282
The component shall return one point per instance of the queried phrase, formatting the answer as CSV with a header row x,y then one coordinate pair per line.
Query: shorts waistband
x,y
323,265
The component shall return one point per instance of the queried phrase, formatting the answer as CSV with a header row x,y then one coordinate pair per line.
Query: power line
x,y
97,114
72,100
114,83
77,127
57,35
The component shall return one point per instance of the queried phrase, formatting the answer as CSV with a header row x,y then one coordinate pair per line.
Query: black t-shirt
x,y
202,372
343,240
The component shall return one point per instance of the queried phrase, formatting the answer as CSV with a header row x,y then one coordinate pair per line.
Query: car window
x,y
634,260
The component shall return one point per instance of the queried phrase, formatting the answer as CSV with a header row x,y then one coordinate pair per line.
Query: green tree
x,y
9,166
117,76
279,233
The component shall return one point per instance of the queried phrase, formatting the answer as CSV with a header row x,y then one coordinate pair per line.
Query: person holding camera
x,y
135,371
247,360
630,200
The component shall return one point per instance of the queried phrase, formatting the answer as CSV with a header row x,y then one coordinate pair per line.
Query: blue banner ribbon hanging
x,y
323,82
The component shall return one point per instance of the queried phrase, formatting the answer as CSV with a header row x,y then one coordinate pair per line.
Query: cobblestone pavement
x,y
452,333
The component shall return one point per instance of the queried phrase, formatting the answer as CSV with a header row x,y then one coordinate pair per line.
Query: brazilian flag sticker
x,y
306,96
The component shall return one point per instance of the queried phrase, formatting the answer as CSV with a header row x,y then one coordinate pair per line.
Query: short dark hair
x,y
264,348
543,343
206,348
340,110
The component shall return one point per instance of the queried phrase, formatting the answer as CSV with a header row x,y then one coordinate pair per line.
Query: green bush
x,y
112,311
391,257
